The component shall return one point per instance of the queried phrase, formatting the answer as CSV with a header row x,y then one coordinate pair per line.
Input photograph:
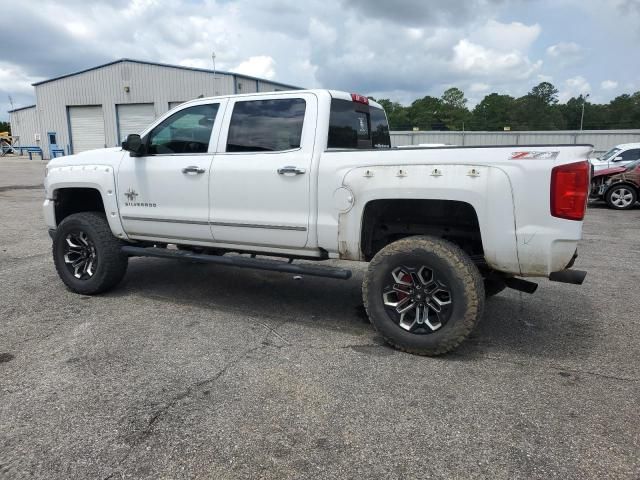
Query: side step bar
x,y
241,262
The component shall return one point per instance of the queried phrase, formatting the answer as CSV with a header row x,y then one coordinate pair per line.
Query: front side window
x,y
266,125
187,131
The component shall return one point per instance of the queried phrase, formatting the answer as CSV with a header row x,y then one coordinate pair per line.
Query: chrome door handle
x,y
291,170
193,169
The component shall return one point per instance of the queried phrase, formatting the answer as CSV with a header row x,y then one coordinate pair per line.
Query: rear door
x,y
260,182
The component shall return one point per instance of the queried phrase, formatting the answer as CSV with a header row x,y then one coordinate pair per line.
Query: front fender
x,y
97,177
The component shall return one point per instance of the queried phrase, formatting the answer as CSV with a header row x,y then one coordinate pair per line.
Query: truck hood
x,y
102,156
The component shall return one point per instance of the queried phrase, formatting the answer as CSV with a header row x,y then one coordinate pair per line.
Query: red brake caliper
x,y
405,278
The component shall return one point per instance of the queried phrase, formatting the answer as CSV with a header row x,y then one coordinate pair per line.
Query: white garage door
x,y
134,118
87,128
173,105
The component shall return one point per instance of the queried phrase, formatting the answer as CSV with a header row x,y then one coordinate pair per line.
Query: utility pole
x,y
584,100
213,59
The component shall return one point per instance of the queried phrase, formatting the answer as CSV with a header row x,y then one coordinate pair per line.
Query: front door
x,y
164,194
260,180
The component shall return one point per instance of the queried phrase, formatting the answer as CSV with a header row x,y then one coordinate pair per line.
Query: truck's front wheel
x,y
87,255
423,294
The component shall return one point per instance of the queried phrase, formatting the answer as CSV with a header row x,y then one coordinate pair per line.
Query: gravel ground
x,y
201,371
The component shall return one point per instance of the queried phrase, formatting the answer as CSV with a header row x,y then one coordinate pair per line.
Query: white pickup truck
x,y
312,175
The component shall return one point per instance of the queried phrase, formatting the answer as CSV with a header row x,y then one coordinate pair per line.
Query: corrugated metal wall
x,y
602,140
147,83
24,124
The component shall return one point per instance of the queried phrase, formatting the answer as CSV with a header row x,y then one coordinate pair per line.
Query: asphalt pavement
x,y
201,371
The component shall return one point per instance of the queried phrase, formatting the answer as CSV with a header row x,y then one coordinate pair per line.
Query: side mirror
x,y
134,144
617,159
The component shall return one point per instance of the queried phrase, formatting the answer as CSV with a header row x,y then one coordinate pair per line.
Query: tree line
x,y
537,110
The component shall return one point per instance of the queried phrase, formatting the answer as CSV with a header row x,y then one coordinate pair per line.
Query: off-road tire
x,y
617,188
111,262
493,287
465,283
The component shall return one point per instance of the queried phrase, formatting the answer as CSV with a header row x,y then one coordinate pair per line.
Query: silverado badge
x,y
131,194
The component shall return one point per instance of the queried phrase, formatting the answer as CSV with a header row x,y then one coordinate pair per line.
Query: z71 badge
x,y
534,155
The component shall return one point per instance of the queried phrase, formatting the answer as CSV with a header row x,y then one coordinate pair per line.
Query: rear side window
x,y
266,125
356,125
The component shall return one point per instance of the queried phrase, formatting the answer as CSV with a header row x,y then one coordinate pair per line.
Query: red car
x,y
618,186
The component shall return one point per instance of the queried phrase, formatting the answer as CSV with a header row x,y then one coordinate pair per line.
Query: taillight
x,y
569,189
359,98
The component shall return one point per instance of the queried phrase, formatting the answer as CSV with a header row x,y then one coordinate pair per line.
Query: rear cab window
x,y
357,125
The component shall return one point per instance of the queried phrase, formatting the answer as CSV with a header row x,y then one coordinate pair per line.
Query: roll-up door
x,y
87,128
134,118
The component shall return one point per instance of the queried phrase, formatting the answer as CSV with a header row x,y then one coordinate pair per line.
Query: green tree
x,y
454,98
425,112
545,92
454,112
493,113
5,127
397,114
538,109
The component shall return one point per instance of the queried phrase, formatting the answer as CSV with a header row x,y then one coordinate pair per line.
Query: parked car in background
x,y
619,156
618,186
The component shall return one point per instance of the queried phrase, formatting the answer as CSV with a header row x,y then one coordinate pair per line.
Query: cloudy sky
x,y
399,49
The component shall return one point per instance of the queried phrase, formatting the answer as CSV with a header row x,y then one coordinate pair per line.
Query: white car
x,y
619,156
311,175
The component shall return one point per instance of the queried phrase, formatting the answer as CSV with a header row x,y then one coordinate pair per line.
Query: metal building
x,y
98,107
24,123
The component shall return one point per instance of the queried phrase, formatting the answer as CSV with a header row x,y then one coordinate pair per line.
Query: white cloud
x,y
574,87
15,80
478,60
507,36
479,87
564,49
565,54
609,85
261,66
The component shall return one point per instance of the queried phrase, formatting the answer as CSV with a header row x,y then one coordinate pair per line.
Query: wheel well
x,y
75,200
385,221
634,187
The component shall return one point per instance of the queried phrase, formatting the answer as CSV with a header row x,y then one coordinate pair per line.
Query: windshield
x,y
357,125
610,154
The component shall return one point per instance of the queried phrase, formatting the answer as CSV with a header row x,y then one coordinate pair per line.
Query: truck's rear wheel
x,y
87,255
423,294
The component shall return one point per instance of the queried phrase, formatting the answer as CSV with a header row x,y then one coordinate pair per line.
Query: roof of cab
x,y
321,91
